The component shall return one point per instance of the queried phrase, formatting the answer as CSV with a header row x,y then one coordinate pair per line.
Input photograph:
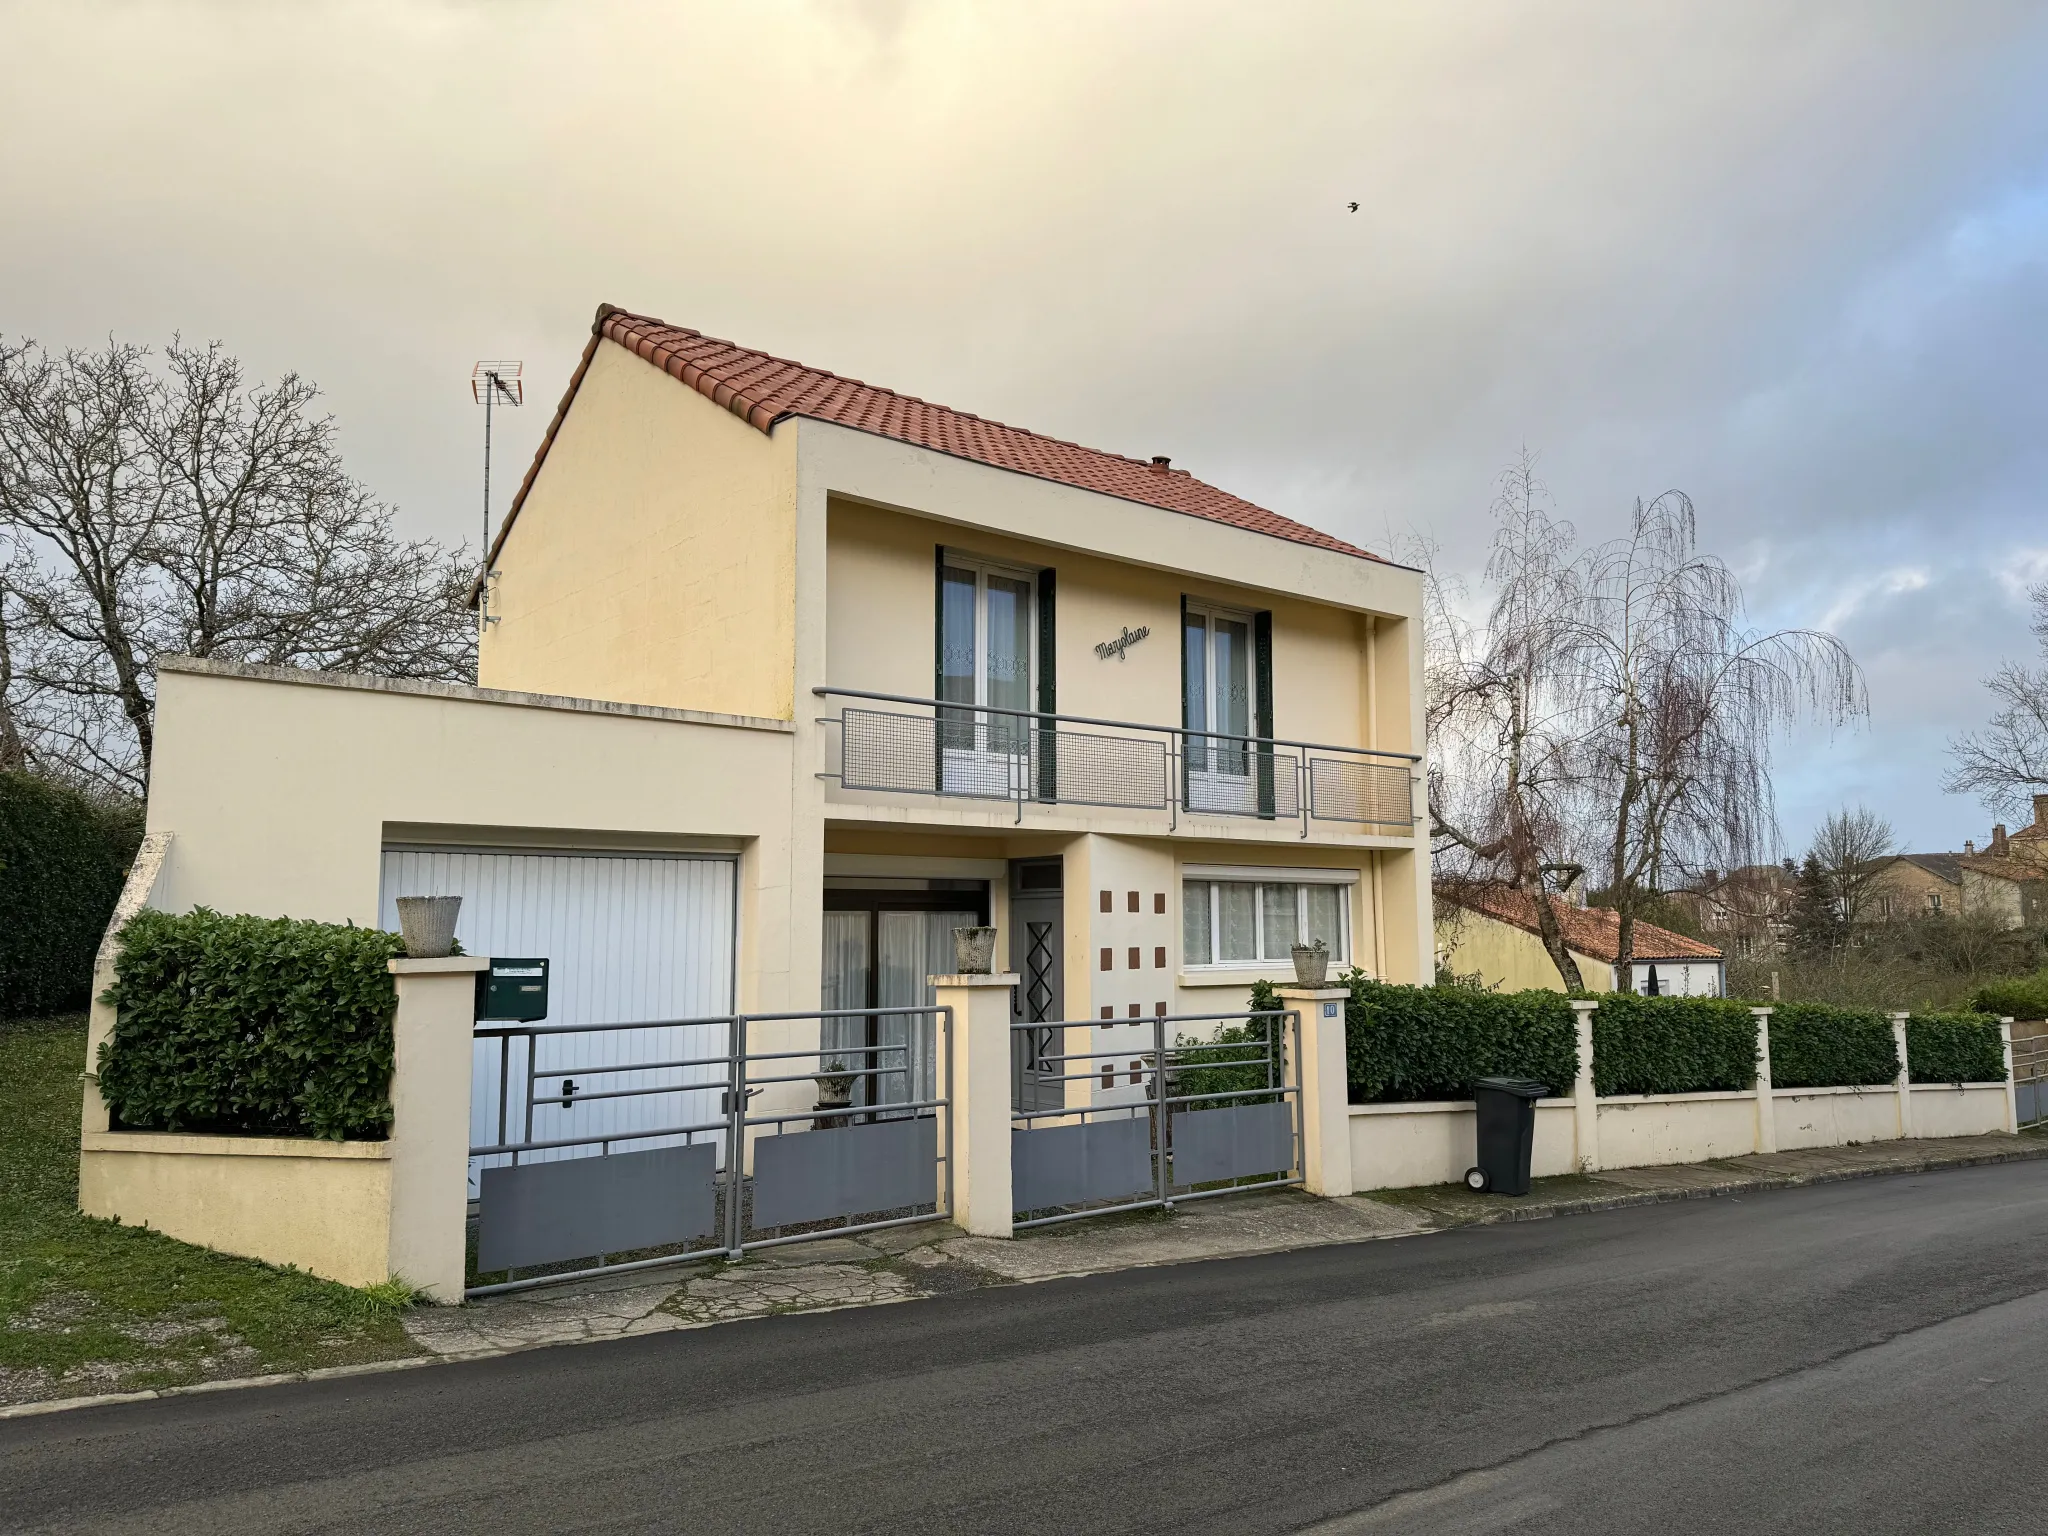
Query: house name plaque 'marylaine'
x,y
1122,642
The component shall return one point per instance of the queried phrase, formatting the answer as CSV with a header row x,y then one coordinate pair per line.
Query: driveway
x,y
1865,1356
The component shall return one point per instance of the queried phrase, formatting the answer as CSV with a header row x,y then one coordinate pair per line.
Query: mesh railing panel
x,y
1345,790
1227,777
1122,771
890,752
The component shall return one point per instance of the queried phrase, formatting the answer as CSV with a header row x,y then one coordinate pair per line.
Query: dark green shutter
x,y
1181,642
938,668
1262,716
1048,686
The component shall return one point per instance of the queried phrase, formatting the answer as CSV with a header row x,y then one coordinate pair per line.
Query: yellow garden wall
x,y
1506,956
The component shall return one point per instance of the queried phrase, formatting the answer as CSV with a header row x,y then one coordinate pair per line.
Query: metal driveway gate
x,y
851,1132
1153,1124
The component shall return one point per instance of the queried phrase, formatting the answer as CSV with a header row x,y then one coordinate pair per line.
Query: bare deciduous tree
x,y
2007,761
183,510
1611,710
1847,848
1684,701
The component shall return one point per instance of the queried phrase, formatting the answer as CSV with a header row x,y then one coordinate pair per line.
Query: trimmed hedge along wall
x,y
1955,1048
1814,1045
63,856
1672,1045
1405,1044
251,1025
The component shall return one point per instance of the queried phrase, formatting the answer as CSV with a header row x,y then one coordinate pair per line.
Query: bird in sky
x,y
1354,207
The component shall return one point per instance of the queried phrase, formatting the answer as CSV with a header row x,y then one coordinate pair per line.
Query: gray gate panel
x,y
1212,1144
815,1175
2027,1096
585,1206
1071,1164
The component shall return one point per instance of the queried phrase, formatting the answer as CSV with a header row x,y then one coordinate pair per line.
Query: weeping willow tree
x,y
1611,711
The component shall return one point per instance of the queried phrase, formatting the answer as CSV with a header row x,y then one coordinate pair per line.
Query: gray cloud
x,y
1792,259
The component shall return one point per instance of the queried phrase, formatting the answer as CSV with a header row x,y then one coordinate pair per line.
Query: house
x,y
1748,909
2009,890
1491,930
785,677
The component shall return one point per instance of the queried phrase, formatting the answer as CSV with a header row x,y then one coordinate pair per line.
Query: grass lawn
x,y
91,1306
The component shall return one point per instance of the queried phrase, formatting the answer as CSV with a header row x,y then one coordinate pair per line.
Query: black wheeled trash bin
x,y
1507,1134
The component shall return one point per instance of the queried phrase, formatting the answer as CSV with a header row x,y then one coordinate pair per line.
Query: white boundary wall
x,y
1403,1146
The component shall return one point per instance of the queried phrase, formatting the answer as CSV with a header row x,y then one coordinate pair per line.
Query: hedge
x,y
63,857
1815,1045
1404,1044
1671,1045
1955,1048
2026,998
251,1025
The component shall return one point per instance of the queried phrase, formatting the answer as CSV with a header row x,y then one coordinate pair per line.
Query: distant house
x,y
1491,930
2007,883
1748,910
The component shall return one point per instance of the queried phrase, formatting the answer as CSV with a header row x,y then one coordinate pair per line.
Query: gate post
x,y
1766,1106
2012,1105
1905,1081
1322,1078
978,1099
431,1040
1585,1096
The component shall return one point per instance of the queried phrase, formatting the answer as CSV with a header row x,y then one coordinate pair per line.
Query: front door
x,y
1037,951
880,946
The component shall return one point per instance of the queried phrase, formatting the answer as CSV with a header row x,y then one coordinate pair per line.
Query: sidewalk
x,y
909,1262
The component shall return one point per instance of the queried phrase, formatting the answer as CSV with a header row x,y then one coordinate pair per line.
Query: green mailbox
x,y
512,992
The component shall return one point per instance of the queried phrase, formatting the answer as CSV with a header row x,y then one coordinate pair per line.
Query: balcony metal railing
x,y
981,752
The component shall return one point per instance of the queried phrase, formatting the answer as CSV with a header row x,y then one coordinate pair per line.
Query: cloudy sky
x,y
1792,259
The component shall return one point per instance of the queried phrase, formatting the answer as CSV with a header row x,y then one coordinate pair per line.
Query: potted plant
x,y
1311,963
835,1093
974,950
428,924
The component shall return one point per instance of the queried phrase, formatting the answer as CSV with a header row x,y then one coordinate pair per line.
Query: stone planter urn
x,y
1311,964
835,1096
428,923
974,951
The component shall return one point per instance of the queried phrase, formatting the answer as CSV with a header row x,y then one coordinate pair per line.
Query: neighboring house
x,y
1492,931
1997,885
785,677
1748,910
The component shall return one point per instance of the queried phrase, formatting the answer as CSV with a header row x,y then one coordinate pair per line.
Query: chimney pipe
x,y
2041,811
1161,461
1969,847
1998,840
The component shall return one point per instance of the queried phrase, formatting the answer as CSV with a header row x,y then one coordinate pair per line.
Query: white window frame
x,y
1300,880
1210,613
989,767
960,560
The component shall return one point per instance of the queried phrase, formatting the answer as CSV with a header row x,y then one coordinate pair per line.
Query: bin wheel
x,y
1476,1180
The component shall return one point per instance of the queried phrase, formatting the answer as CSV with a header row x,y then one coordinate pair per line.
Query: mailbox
x,y
512,992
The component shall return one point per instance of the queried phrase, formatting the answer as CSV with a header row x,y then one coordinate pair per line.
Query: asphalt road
x,y
1863,1357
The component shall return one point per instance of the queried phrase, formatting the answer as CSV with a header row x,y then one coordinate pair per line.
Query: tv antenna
x,y
491,384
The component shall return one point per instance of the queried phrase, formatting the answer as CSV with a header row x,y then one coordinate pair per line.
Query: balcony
x,y
971,752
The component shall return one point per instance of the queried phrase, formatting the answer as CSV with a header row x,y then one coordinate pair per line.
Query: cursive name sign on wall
x,y
1122,642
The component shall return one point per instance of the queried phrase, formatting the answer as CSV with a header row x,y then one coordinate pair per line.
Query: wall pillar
x,y
1322,1076
978,1090
1905,1083
1766,1106
1585,1102
2012,1105
431,1039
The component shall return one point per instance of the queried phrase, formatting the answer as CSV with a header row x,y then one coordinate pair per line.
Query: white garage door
x,y
629,938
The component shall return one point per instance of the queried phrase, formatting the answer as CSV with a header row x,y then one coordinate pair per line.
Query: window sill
x,y
1280,973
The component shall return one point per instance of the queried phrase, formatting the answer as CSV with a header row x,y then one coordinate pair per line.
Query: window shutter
x,y
1262,723
938,666
1181,641
1048,685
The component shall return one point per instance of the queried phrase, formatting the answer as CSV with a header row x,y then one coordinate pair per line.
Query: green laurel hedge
x,y
1815,1045
2026,998
63,856
251,1025
1404,1044
1672,1045
1955,1048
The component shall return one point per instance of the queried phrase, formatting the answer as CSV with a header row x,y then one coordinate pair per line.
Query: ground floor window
x,y
1246,922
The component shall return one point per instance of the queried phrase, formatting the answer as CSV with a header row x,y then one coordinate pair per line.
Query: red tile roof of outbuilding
x,y
1594,931
762,390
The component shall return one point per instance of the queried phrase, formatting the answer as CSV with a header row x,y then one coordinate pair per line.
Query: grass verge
x,y
90,1306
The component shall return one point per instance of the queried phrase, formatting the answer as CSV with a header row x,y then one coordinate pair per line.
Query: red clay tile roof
x,y
1594,931
762,390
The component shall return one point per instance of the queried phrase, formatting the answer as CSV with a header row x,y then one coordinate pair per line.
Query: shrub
x,y
1672,1045
2026,998
1816,1046
1411,1043
63,856
251,1025
1955,1048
